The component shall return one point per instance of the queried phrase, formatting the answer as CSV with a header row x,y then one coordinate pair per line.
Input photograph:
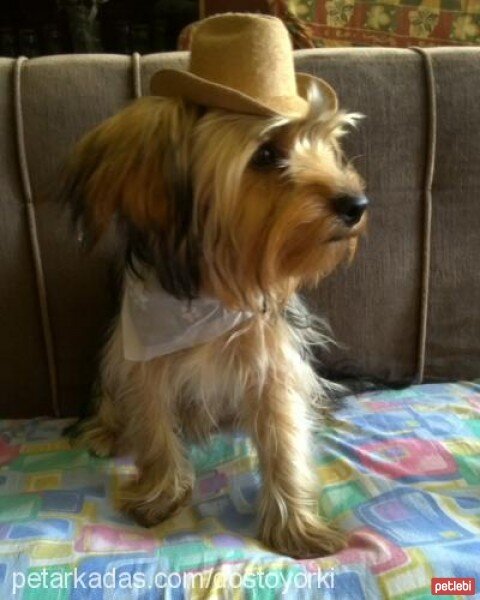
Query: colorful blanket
x,y
400,472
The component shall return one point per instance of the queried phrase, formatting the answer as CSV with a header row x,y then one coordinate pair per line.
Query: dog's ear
x,y
134,169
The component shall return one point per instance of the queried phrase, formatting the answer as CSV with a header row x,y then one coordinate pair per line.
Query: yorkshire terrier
x,y
240,211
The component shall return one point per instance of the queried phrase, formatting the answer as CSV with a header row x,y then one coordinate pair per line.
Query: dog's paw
x,y
98,439
149,511
303,536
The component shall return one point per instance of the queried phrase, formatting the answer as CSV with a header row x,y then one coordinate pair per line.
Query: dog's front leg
x,y
279,423
165,477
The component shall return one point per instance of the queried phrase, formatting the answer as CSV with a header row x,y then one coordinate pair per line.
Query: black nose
x,y
350,208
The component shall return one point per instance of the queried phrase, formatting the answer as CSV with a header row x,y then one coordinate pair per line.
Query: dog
x,y
229,201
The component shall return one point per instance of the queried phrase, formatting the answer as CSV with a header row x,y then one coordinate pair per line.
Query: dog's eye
x,y
268,156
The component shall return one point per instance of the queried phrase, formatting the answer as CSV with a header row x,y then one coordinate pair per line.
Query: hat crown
x,y
250,53
243,63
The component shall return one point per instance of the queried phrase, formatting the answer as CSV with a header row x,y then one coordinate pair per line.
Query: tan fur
x,y
262,234
123,157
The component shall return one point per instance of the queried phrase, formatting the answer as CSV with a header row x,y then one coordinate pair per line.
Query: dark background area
x,y
40,27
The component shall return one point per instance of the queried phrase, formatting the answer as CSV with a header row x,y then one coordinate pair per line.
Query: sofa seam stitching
x,y
33,235
427,211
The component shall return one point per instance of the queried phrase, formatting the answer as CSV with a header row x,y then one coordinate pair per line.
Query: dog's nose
x,y
350,208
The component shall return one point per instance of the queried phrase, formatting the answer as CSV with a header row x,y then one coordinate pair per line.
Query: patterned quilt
x,y
400,472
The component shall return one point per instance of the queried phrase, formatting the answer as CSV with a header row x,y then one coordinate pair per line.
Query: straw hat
x,y
243,63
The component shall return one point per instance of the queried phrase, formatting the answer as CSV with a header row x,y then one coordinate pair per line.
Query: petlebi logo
x,y
446,586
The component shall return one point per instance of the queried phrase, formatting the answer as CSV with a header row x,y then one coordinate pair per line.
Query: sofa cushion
x,y
377,307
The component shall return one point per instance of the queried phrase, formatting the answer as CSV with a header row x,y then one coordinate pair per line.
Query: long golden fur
x,y
238,207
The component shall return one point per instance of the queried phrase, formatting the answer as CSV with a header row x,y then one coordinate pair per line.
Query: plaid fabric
x,y
400,472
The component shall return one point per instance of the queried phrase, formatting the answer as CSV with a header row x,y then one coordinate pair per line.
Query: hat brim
x,y
173,83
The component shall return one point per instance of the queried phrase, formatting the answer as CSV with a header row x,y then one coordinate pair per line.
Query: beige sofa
x,y
407,310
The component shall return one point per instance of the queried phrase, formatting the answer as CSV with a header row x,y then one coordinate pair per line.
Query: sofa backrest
x,y
406,310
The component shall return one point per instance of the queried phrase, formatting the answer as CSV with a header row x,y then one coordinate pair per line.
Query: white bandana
x,y
155,323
